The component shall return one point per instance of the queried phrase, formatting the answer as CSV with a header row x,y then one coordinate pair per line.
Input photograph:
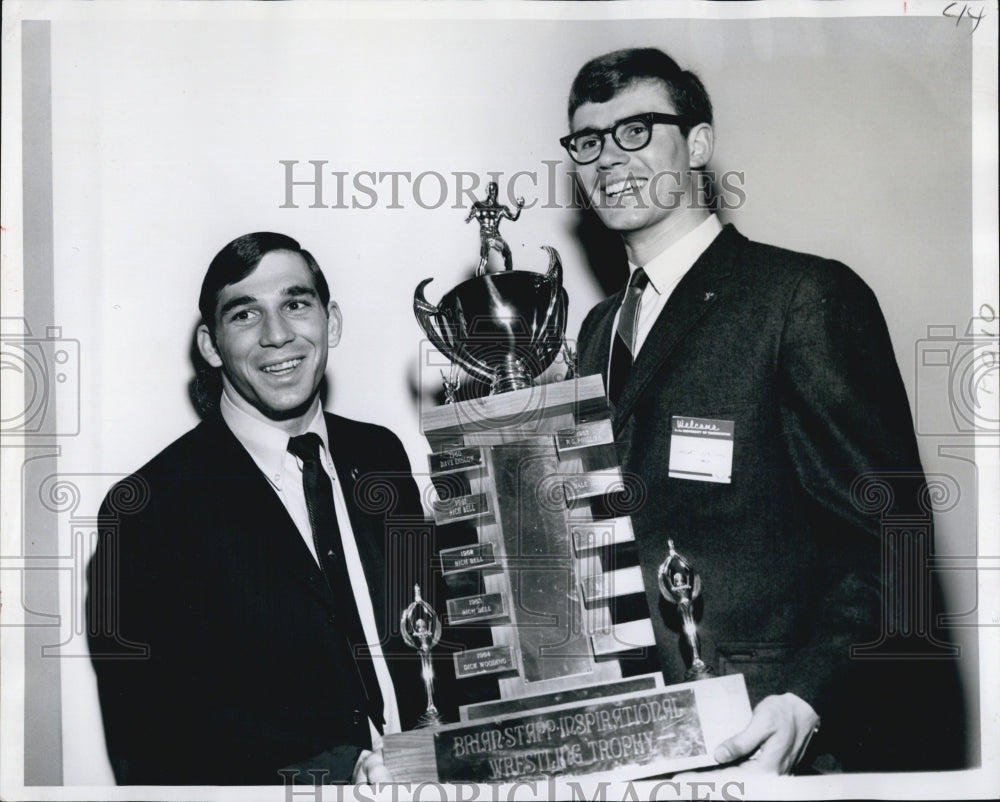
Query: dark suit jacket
x,y
212,631
794,350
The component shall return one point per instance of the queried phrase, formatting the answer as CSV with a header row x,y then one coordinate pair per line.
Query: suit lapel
x,y
264,515
595,360
696,293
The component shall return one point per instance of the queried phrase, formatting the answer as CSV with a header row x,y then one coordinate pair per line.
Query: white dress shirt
x,y
268,446
665,272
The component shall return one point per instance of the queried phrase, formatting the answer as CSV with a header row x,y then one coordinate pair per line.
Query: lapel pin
x,y
709,296
354,473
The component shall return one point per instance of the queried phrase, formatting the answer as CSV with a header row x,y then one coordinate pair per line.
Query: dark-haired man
x,y
240,604
785,360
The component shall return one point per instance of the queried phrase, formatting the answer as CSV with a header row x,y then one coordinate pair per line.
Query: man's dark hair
x,y
602,78
240,258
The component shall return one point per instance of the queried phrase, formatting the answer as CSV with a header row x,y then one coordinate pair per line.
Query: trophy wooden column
x,y
524,466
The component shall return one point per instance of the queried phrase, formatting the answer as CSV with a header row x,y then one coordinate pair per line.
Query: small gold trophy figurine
x,y
680,585
421,630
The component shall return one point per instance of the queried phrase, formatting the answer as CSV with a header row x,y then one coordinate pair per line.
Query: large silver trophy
x,y
534,470
504,329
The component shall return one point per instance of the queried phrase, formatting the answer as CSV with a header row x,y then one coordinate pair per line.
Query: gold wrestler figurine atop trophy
x,y
489,213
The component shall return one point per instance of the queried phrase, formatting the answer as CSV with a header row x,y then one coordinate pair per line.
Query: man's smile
x,y
283,368
612,189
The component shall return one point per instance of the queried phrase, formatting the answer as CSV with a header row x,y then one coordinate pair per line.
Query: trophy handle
x,y
558,303
554,273
429,316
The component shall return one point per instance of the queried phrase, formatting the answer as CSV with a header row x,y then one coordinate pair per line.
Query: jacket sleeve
x,y
129,633
849,432
592,353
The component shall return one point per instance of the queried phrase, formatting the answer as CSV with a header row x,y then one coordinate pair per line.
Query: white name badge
x,y
701,449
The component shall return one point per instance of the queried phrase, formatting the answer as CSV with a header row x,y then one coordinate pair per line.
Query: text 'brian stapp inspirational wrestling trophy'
x,y
534,469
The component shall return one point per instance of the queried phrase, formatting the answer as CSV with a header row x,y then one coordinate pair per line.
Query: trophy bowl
x,y
502,328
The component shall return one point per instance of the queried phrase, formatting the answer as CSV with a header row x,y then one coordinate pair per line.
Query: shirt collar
x,y
266,443
667,268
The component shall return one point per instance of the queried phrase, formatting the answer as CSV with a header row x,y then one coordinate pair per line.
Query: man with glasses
x,y
784,360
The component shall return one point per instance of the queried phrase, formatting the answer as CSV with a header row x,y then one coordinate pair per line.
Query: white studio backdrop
x,y
852,138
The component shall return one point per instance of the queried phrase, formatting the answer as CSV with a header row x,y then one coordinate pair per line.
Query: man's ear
x,y
335,324
701,143
206,346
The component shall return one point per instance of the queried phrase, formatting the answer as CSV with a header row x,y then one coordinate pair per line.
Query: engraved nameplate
x,y
585,435
601,534
453,460
588,738
595,483
467,558
483,607
462,508
492,660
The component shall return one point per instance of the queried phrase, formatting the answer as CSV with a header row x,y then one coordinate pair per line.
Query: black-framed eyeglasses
x,y
630,133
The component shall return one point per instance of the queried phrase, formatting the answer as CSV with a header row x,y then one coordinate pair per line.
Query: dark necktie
x,y
623,347
329,549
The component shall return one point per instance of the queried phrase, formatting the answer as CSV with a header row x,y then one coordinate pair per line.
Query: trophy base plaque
x,y
628,736
526,468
